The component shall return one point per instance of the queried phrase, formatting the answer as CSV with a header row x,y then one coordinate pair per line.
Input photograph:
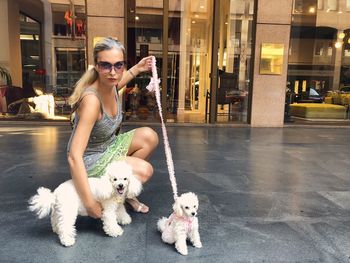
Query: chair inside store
x,y
228,94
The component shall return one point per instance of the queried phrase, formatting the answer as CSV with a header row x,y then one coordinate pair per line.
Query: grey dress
x,y
104,144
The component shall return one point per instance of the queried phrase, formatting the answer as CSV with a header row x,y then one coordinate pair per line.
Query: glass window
x,y
30,37
319,54
68,20
70,65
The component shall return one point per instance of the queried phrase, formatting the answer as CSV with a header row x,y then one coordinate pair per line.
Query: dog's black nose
x,y
193,213
120,185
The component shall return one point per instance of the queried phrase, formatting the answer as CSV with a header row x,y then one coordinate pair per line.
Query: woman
x,y
94,143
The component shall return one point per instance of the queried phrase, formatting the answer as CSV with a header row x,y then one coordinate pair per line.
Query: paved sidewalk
x,y
266,195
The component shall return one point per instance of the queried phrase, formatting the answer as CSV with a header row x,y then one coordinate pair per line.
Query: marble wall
x,y
104,20
268,94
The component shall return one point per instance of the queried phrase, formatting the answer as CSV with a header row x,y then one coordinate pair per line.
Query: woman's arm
x,y
89,112
144,65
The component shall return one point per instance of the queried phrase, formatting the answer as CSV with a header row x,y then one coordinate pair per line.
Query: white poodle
x,y
182,224
65,205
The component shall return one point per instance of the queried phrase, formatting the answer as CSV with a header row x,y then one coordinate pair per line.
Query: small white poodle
x,y
182,224
111,190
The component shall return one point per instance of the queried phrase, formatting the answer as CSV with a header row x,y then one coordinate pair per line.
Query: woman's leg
x,y
144,142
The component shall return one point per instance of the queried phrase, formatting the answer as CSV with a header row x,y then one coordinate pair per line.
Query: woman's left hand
x,y
145,64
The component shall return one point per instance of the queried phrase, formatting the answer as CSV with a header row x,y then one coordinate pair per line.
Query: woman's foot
x,y
137,206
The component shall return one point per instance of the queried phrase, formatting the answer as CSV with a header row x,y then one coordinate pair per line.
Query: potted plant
x,y
5,76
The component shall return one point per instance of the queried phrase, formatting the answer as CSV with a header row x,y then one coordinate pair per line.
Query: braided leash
x,y
153,86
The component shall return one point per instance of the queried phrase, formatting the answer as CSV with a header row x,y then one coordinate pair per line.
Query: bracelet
x,y
131,73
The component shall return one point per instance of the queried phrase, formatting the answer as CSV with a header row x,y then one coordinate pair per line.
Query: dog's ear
x,y
177,208
134,187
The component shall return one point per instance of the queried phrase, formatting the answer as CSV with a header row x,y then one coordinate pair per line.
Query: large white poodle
x,y
182,224
110,190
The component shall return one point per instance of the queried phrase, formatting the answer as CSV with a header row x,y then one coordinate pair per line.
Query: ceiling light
x,y
312,9
341,35
337,44
137,18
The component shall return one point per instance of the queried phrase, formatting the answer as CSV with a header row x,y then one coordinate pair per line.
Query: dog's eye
x,y
115,179
125,179
194,206
186,207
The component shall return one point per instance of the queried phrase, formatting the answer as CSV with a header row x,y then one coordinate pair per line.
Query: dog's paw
x,y
197,244
67,241
114,231
182,249
125,220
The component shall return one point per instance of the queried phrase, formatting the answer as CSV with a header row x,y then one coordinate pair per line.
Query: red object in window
x,y
79,24
68,16
40,72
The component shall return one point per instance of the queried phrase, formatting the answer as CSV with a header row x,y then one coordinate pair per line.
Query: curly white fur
x,y
182,224
65,205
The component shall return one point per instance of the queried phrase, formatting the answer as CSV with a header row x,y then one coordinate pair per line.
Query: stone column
x,y
104,18
337,63
268,94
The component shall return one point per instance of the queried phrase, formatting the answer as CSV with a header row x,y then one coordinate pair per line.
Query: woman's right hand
x,y
94,209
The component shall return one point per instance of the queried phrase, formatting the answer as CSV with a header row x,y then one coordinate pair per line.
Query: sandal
x,y
141,207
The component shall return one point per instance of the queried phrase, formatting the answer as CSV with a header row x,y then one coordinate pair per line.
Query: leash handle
x,y
153,86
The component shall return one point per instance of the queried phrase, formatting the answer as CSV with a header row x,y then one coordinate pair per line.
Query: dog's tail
x,y
42,202
162,224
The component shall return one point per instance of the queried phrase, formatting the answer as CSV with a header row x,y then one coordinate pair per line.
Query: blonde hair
x,y
91,75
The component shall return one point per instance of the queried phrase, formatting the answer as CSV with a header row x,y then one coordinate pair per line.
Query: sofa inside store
x,y
311,102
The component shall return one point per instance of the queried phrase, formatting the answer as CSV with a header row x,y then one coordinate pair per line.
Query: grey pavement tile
x,y
265,195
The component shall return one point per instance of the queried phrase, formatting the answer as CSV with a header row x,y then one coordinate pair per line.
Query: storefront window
x,y
144,38
32,72
319,64
189,57
235,47
68,20
69,60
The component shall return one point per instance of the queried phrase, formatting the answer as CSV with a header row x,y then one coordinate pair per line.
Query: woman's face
x,y
110,66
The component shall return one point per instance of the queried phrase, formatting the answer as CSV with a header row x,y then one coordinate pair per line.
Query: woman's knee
x,y
150,136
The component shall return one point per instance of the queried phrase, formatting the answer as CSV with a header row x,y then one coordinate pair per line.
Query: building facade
x,y
256,62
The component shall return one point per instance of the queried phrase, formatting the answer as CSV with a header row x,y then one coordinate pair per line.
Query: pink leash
x,y
153,86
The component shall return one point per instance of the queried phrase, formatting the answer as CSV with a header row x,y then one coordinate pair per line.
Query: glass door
x,y
234,49
190,35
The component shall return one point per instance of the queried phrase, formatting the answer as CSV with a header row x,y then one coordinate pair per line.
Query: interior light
x,y
312,9
26,37
349,41
137,18
337,44
193,22
341,35
196,15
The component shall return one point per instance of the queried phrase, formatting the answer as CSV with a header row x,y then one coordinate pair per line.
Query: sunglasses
x,y
107,67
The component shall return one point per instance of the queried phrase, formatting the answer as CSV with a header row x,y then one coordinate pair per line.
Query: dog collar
x,y
119,199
